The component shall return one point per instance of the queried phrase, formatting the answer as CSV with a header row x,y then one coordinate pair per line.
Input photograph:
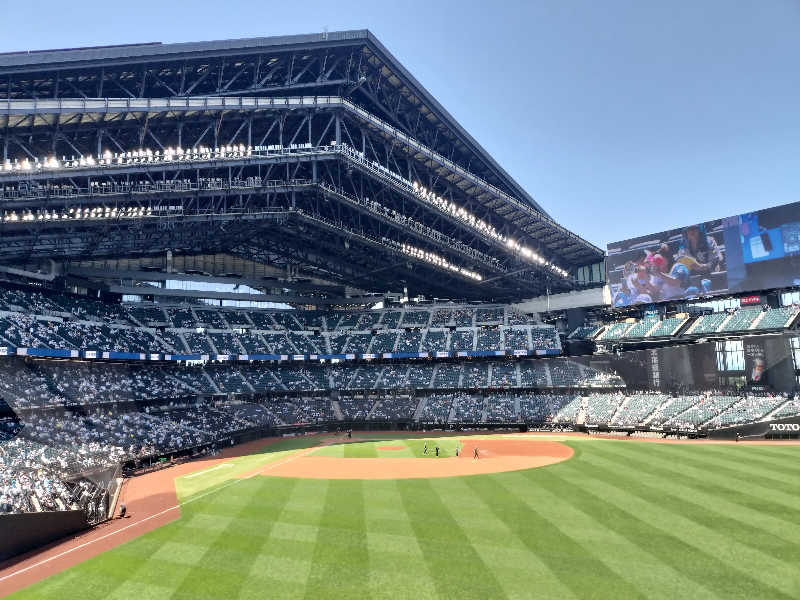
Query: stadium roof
x,y
82,100
71,58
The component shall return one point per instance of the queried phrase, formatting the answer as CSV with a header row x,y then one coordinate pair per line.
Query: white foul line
x,y
158,514
222,466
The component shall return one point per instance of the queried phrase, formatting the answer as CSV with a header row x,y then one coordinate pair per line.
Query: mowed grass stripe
x,y
761,520
577,567
738,462
706,468
283,564
670,550
711,471
397,565
705,567
753,456
339,564
157,568
769,452
502,548
726,565
781,554
629,555
230,554
457,569
205,573
99,579
360,450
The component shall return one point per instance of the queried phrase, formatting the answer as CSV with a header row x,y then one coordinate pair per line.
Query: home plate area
x,y
493,456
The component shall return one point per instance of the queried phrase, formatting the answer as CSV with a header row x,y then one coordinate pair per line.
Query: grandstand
x,y
737,321
208,331
109,384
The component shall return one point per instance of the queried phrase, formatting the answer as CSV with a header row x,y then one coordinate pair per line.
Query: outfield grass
x,y
412,448
205,479
618,520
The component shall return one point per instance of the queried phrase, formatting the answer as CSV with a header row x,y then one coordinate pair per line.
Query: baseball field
x,y
387,518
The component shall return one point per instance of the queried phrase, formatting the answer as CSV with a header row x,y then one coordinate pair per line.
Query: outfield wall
x,y
788,428
23,532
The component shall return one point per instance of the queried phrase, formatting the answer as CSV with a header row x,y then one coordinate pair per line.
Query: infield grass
x,y
389,448
619,520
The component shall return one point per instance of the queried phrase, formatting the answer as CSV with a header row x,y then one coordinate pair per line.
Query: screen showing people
x,y
748,252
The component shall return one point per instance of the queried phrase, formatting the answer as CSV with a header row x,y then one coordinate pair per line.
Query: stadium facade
x,y
209,242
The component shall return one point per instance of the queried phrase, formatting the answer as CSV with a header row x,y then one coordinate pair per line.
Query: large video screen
x,y
753,251
764,362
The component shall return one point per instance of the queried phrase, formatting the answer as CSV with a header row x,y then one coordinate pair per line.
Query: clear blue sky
x,y
620,117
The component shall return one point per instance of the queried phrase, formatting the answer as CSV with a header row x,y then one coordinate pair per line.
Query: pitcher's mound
x,y
392,447
494,456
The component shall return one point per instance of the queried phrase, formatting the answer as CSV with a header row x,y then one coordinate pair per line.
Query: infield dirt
x,y
495,456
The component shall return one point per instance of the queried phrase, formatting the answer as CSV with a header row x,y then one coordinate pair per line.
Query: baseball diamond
x,y
270,520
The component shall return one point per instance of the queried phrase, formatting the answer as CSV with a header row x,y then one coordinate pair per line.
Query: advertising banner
x,y
780,428
755,363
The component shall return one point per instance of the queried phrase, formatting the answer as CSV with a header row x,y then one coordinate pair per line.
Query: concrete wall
x,y
27,531
577,299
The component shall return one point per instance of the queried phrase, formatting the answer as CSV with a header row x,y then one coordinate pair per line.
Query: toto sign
x,y
784,426
789,427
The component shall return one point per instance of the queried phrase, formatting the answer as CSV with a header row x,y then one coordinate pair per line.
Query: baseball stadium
x,y
274,325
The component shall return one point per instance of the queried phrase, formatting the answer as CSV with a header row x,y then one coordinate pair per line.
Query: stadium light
x,y
229,152
438,261
465,216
